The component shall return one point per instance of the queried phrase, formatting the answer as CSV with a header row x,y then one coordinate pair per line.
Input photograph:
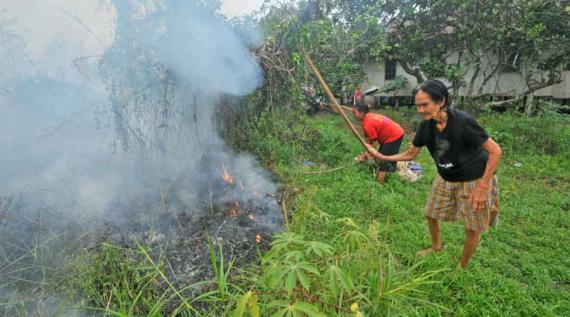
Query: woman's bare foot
x,y
429,250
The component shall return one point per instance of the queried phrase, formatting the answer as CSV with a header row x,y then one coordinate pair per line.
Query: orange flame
x,y
258,238
234,211
227,176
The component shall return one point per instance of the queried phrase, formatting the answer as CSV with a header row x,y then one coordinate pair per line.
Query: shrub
x,y
524,135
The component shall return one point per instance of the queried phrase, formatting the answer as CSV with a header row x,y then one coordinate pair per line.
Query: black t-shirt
x,y
458,149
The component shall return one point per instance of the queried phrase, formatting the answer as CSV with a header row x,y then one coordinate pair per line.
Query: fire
x,y
251,217
234,211
258,238
226,175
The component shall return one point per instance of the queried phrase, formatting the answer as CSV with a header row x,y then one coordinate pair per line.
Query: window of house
x,y
389,69
513,63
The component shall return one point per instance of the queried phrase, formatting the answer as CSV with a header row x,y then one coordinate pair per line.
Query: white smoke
x,y
149,116
85,136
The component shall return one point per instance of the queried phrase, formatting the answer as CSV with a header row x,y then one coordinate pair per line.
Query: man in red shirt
x,y
382,130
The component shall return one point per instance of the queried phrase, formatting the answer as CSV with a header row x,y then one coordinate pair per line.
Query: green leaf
x,y
330,277
295,255
308,309
287,240
345,280
290,281
254,308
347,222
318,248
308,267
241,304
305,282
336,276
275,275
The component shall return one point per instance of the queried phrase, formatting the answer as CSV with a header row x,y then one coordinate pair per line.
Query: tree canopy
x,y
468,43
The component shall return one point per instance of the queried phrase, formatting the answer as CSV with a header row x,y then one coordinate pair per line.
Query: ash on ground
x,y
229,214
239,226
224,211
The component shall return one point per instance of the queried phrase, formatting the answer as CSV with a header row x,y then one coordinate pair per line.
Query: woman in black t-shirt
x,y
466,159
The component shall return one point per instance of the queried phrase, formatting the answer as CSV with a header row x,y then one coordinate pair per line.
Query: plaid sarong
x,y
449,201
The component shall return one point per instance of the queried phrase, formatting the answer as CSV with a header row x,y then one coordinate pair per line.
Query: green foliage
x,y
399,82
469,42
247,303
120,280
334,270
372,232
296,309
315,278
272,128
221,270
546,108
350,249
125,282
523,135
339,44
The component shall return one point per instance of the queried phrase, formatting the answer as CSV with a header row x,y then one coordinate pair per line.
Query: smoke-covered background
x,y
118,129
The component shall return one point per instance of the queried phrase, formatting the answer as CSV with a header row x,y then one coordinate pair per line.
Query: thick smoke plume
x,y
126,139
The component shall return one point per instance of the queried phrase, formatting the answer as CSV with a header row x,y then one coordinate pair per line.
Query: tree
x,y
338,43
469,43
543,42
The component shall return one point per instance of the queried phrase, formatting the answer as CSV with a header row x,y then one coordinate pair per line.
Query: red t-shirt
x,y
380,128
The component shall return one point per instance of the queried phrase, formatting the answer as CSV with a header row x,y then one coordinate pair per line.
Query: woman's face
x,y
427,108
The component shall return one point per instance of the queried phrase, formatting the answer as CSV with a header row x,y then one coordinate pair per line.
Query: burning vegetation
x,y
141,163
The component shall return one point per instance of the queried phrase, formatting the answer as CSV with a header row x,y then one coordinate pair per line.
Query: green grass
x,y
123,282
350,249
522,267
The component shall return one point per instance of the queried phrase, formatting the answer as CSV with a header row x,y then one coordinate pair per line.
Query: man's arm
x,y
409,155
479,194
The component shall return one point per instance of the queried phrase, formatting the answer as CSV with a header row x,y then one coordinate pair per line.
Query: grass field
x,y
351,243
522,267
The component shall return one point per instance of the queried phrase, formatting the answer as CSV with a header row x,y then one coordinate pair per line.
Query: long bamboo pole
x,y
345,108
333,99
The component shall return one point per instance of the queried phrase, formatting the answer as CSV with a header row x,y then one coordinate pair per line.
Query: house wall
x,y
505,83
375,78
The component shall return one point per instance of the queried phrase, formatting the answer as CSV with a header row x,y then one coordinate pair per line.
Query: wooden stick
x,y
333,99
325,171
345,108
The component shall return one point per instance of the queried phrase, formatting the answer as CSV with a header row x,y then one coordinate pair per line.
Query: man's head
x,y
431,98
360,110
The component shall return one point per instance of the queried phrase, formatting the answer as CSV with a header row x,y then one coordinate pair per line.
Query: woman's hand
x,y
370,148
478,197
363,157
360,158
